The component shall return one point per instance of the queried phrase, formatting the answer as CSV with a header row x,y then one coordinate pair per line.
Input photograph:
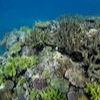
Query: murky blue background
x,y
15,13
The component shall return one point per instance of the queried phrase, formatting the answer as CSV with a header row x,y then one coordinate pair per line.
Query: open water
x,y
16,13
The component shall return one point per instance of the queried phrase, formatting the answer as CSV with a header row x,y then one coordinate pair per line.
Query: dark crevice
x,y
97,61
76,56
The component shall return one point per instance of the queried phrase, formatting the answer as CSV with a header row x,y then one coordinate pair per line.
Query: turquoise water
x,y
15,13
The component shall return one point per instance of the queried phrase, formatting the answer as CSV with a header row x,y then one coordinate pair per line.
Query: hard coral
x,y
52,94
25,29
42,25
94,90
16,47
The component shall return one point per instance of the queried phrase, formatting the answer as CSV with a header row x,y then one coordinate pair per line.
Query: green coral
x,y
19,87
42,25
47,94
9,69
25,29
21,80
94,90
16,47
1,75
46,74
52,94
33,94
18,63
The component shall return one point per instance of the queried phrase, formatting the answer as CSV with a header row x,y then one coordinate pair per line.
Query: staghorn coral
x,y
36,38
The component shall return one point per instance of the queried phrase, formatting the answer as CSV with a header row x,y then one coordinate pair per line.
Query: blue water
x,y
15,13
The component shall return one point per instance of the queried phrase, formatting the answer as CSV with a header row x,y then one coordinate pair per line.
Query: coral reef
x,y
54,60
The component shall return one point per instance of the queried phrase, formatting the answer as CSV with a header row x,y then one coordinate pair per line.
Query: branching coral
x,y
36,37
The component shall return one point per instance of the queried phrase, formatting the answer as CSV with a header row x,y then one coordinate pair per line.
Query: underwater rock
x,y
55,62
21,97
64,64
48,60
9,85
28,73
72,95
25,50
38,82
75,77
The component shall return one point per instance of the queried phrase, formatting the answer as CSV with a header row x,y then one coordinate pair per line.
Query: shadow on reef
x,y
55,60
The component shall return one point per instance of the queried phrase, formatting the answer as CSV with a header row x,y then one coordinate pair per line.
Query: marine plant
x,y
94,90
